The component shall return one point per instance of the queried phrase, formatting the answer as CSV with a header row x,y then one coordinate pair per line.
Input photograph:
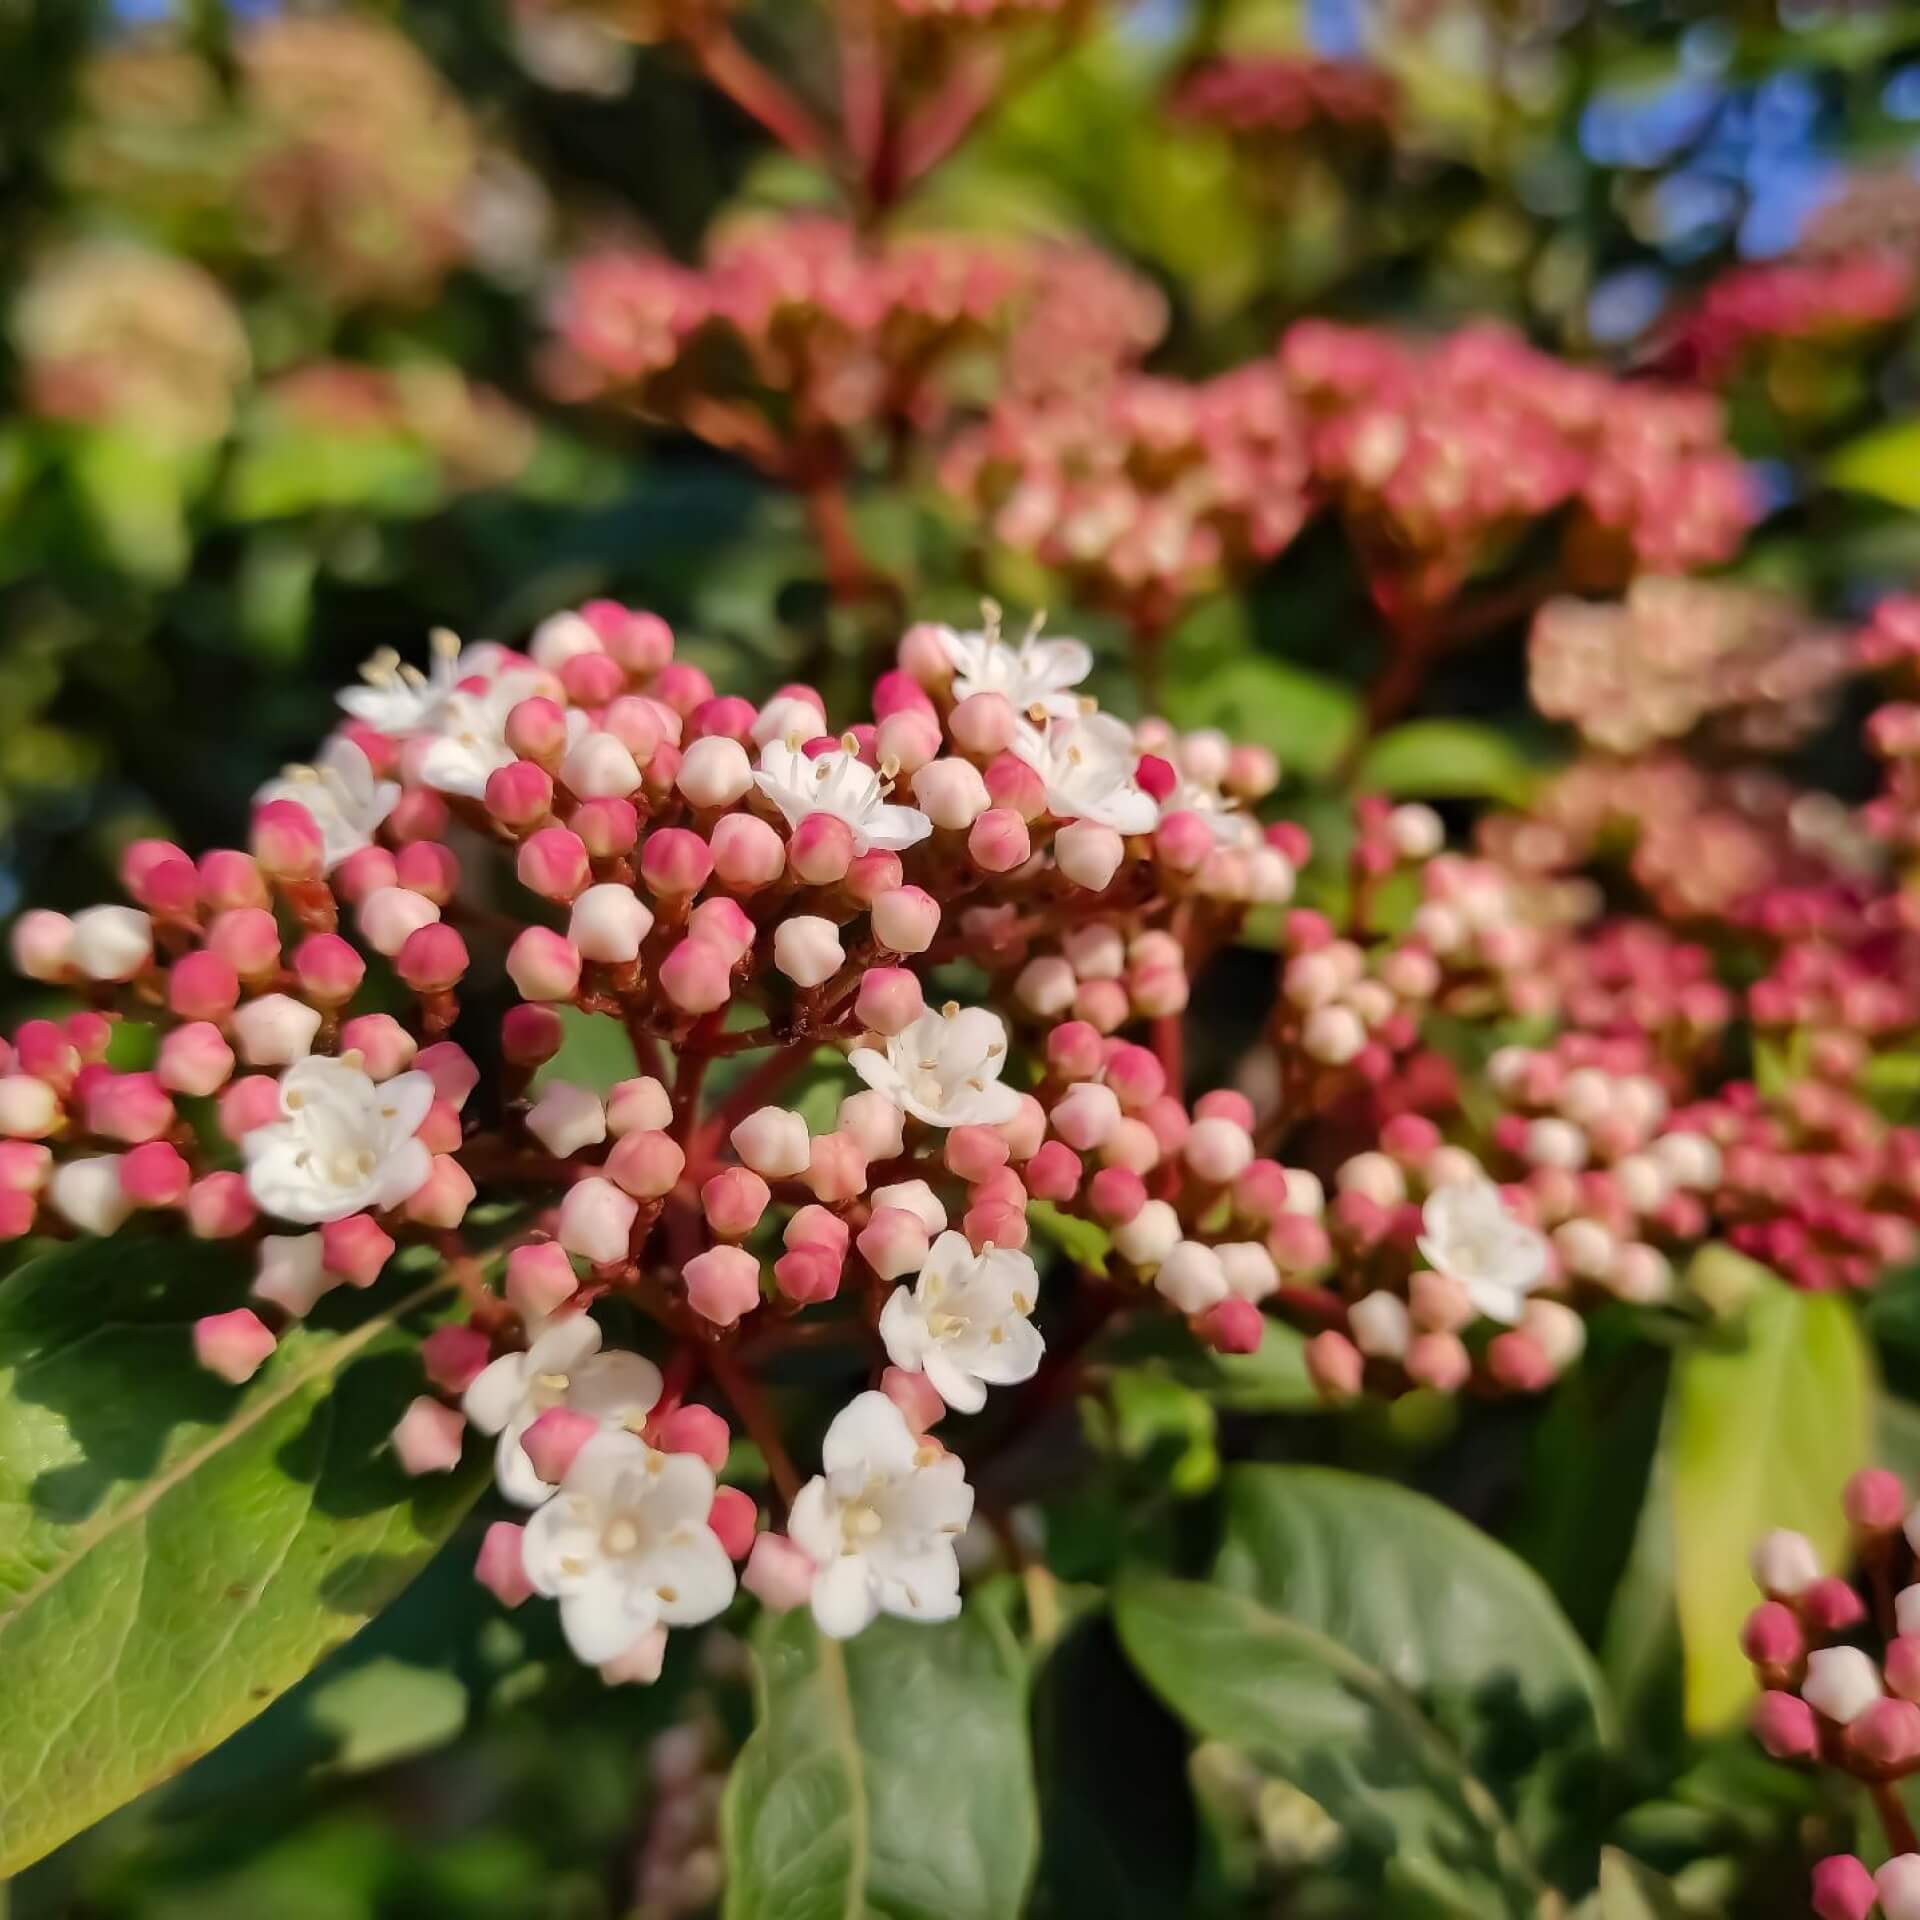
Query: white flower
x,y
1087,766
343,1143
469,733
842,784
1036,673
347,803
291,1272
963,1322
398,698
1471,1237
881,1521
563,1368
944,1069
624,1546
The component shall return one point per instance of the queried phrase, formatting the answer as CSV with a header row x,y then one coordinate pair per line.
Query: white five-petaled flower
x,y
1087,764
343,1142
1036,673
563,1368
944,1069
1468,1234
963,1323
881,1521
396,697
347,803
842,784
625,1547
468,739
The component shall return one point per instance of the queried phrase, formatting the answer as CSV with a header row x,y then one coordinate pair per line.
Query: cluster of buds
x,y
1438,453
1280,96
715,880
1755,307
1672,654
1829,1700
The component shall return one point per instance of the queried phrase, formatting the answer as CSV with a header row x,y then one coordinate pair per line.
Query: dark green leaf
x,y
1448,759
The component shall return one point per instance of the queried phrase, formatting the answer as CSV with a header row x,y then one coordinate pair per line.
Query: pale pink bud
x,y
1089,854
950,793
248,939
893,1243
777,1573
1439,1301
733,1201
695,1430
249,1102
329,970
814,1227
1191,1277
232,1345
24,1168
1025,1131
983,724
501,1567
836,1168
566,1119
597,766
596,1219
1439,1361
552,1441
1045,986
647,1164
697,976
714,772
874,1123
155,1175
286,841
1218,1150
906,919
1149,1236
1897,1882
821,850
1375,1176
909,739
519,795
725,926
29,1107
635,1106
1333,1035
454,1356
1841,1683
889,1001
773,1142
428,1436
389,915
747,853
553,863
443,1197
540,1278
1250,1269
732,1519
202,986
607,827
219,1207
429,869
1085,1115
43,945
451,1069
723,1284
544,965
974,1152
1335,1365
998,842
1381,1325
915,1395
275,1030
807,949
1875,1500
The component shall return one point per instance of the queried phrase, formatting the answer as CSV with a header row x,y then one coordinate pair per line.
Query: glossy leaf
x,y
1883,462
1307,719
1448,759
175,1553
888,1776
1761,1433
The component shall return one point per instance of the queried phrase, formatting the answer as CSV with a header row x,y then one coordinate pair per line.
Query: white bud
x,y
608,923
714,771
1897,1882
560,638
1784,1563
1149,1236
288,1273
566,1118
29,1108
875,1123
638,1106
788,716
1555,1143
917,1198
599,767
1556,1330
595,1221
1507,1070
1585,1248
951,793
1841,1683
1250,1270
773,1142
1272,876
1333,1035
807,949
275,1030
1440,928
1450,1166
1089,854
1641,1274
1415,832
1311,979
1095,952
1691,1159
111,943
87,1193
1374,1176
1644,1183
1381,1326
1305,1193
389,914
1046,986
42,945
1906,1608
1192,1277
1218,1149
1587,1096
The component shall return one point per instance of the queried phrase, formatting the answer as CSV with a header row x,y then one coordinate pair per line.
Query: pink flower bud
x,y
1074,1051
1116,1195
696,1430
328,969
427,868
836,1168
451,1069
807,949
974,1152
723,1284
530,1036
682,686
773,1142
17,1214
647,1164
909,739
544,965
443,1197
598,766
553,863
733,1519
697,976
1830,1606
1875,1500
983,724
286,841
454,1356
1334,1365
440,1131
635,1106
433,960
155,1175
893,1243
733,1201
232,1345
915,1395
1842,1888
998,842
596,1219
248,940
363,873
642,642
249,1102
874,1124
724,925
230,878
540,1279
520,795
536,730
1014,785
219,1207
906,919
24,1168
356,1248
1182,841
607,827
1089,854
747,853
202,986
1232,1326
889,1001
128,1107
1054,1172
1439,1361
428,1436
275,1030
777,1573
807,1275
1902,1666
814,1227
675,862
1085,1115
821,850
389,916
1887,1735
43,945
714,772
553,1440
501,1569
591,679
951,793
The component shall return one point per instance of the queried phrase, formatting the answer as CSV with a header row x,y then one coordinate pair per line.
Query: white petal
x,y
494,1395
844,1602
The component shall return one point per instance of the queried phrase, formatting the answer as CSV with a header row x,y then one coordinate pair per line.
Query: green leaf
x,y
594,1052
887,1776
1305,718
1631,1890
1085,1242
1446,760
1761,1434
1271,1379
1883,462
1340,1729
388,1710
175,1553
136,493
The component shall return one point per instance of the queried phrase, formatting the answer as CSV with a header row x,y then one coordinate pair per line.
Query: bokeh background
x,y
286,378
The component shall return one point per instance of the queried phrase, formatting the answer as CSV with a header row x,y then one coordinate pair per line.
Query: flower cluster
x,y
1830,1701
1283,95
1790,300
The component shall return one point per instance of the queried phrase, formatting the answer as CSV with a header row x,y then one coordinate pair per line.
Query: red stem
x,y
762,1429
1893,1818
945,120
755,91
749,1096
